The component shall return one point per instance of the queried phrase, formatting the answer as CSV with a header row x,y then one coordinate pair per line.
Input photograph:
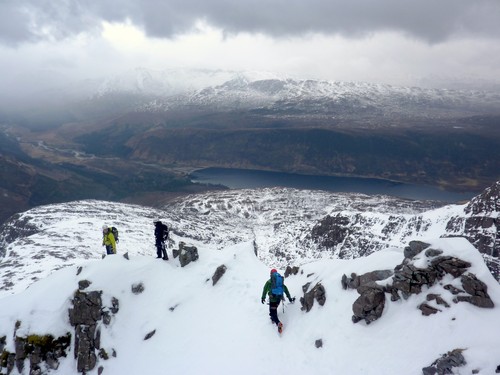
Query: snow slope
x,y
277,221
224,329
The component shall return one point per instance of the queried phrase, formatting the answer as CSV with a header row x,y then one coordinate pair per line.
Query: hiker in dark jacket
x,y
161,234
274,300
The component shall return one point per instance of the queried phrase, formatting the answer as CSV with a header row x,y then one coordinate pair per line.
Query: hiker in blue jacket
x,y
275,288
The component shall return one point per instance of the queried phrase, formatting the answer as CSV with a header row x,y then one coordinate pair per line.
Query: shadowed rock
x,y
291,271
446,363
219,272
370,304
414,248
317,293
409,279
355,281
150,334
187,254
137,288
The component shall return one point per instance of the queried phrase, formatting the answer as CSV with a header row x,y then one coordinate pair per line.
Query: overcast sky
x,y
402,42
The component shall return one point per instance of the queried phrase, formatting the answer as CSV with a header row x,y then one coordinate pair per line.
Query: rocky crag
x,y
350,234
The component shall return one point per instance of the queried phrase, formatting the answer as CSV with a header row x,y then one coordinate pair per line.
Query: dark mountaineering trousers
x,y
109,249
161,234
273,311
160,249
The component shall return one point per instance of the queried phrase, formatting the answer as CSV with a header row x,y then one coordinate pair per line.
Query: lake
x,y
251,179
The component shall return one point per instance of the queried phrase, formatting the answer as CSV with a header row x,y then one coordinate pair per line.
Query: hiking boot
x,y
280,327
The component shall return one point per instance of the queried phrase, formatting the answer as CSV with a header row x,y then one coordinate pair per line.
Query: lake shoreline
x,y
234,178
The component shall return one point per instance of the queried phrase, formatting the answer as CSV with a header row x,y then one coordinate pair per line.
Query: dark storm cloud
x,y
430,20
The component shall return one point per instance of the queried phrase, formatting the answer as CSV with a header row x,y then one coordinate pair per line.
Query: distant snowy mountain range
x,y
160,91
144,90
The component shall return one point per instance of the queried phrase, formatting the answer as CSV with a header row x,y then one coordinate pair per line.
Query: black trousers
x,y
109,249
273,311
160,249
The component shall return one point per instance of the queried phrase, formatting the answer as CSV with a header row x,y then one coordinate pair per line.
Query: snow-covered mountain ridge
x,y
286,227
147,316
184,89
65,310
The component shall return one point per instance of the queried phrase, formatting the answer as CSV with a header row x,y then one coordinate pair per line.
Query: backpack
x,y
165,232
161,231
276,284
115,233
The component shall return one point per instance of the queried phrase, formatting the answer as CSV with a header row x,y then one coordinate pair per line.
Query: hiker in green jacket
x,y
275,299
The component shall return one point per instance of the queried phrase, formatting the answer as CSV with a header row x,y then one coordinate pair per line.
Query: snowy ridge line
x,y
285,226
178,312
229,90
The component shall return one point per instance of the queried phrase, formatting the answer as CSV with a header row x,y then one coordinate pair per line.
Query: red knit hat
x,y
273,271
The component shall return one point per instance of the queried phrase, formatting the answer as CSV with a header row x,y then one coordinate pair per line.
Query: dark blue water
x,y
250,179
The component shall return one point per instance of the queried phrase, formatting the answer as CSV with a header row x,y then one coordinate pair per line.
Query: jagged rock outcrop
x,y
487,202
428,309
354,281
409,279
478,295
291,271
41,351
446,363
317,293
186,254
219,272
352,234
370,304
85,316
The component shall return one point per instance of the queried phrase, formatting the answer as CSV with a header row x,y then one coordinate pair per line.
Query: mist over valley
x,y
136,137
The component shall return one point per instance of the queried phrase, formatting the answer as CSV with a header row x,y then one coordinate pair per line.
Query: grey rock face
x,y
83,284
409,279
427,309
317,293
219,272
446,363
41,352
354,281
85,315
137,288
85,347
478,292
370,304
445,264
187,254
414,248
291,271
86,308
351,234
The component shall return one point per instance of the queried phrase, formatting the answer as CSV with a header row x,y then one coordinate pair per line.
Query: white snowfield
x,y
224,329
275,220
